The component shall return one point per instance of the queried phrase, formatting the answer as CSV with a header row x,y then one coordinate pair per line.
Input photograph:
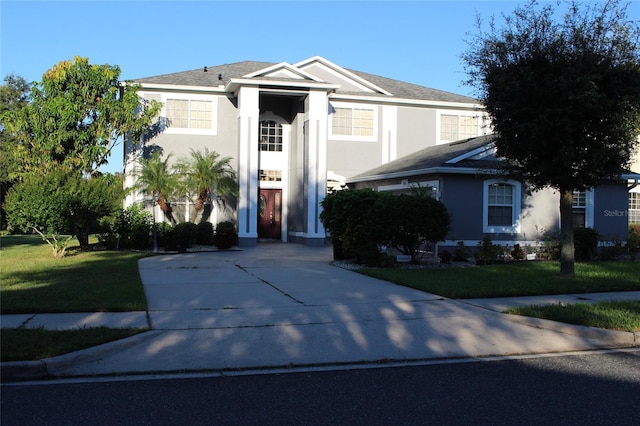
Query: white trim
x,y
429,170
478,153
283,66
170,130
332,136
516,207
389,133
341,72
457,106
460,113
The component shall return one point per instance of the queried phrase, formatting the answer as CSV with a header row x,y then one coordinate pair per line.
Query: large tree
x,y
14,95
75,117
562,88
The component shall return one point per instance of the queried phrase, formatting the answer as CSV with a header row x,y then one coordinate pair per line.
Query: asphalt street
x,y
595,388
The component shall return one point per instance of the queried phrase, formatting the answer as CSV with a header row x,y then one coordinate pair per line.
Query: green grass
x,y
615,315
514,279
83,281
34,344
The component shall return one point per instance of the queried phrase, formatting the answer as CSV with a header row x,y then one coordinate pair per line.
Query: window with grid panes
x,y
500,205
189,114
353,122
634,207
270,136
579,208
455,127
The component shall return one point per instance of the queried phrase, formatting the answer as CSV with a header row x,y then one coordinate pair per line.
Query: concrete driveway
x,y
285,305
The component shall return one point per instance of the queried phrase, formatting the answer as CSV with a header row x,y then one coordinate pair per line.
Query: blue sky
x,y
414,41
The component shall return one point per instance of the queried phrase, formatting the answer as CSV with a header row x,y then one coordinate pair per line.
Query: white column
x,y
249,112
316,107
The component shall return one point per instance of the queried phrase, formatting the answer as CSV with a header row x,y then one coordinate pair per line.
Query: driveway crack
x,y
270,285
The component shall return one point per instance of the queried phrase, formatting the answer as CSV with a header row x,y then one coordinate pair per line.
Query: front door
x,y
270,214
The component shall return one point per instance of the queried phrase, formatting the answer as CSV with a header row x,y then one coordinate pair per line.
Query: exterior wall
x,y
416,130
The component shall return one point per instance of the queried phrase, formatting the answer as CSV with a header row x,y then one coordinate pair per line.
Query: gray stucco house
x,y
465,175
293,130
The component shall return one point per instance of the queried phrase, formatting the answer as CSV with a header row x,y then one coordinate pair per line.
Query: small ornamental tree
x,y
563,96
62,203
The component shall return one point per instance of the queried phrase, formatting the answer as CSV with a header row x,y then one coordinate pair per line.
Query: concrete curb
x,y
16,371
611,337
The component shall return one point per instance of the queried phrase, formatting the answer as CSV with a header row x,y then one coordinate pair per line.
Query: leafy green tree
x,y
62,203
155,178
14,95
208,177
563,95
76,115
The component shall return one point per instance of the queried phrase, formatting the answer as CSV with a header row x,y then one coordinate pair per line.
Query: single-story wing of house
x,y
482,200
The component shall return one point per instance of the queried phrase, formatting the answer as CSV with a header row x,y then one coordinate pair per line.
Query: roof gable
x,y
282,70
332,73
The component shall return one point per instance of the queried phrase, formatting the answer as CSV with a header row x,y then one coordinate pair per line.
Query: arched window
x,y
270,136
501,209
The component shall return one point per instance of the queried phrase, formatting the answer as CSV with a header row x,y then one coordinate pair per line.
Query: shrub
x,y
461,253
517,253
633,238
129,228
487,251
185,235
585,243
205,233
225,236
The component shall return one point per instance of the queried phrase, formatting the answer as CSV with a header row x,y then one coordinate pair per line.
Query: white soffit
x,y
475,154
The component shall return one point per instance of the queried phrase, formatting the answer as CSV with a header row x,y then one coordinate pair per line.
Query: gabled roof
x,y
473,155
363,84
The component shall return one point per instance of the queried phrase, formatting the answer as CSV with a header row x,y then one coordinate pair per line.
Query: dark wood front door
x,y
270,214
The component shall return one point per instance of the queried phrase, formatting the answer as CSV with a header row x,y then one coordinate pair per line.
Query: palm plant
x,y
156,179
209,177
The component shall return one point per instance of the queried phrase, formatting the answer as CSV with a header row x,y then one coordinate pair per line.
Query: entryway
x,y
270,214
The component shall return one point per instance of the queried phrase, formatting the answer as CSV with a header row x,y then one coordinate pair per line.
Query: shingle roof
x,y
198,77
432,157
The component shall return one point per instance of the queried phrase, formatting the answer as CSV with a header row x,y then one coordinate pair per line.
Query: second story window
x,y
189,114
270,136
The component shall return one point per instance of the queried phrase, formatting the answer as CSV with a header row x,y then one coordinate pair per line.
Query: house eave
x,y
426,171
181,88
234,84
404,101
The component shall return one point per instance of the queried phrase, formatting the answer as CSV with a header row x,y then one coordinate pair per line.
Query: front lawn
x,y
514,279
83,281
623,315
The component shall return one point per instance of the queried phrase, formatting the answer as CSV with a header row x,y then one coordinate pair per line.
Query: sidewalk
x,y
283,305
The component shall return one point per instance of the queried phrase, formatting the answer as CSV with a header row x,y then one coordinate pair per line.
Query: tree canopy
x,y
562,90
76,115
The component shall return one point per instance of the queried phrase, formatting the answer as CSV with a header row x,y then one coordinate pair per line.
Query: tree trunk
x,y
199,204
82,234
567,249
166,208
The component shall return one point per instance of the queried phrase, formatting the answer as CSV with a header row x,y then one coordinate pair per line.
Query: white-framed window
x,y
270,136
579,208
634,207
353,122
191,114
454,127
501,206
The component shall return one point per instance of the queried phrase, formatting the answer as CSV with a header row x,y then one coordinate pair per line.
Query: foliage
x,y
77,114
205,233
461,253
83,281
586,243
26,344
513,279
623,315
208,177
61,203
417,219
517,253
563,97
361,221
225,235
184,235
633,238
156,179
487,252
128,228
